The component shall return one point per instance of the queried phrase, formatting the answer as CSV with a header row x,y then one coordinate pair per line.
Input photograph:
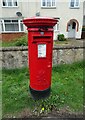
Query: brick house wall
x,y
6,37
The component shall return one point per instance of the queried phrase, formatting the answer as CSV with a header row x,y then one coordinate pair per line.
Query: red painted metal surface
x,y
40,44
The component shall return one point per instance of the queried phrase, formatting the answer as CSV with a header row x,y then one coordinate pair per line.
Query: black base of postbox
x,y
36,95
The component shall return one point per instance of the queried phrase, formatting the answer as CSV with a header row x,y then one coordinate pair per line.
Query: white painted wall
x,y
84,7
0,17
84,14
28,8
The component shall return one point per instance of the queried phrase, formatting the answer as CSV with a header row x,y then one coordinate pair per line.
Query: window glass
x,y
7,21
21,25
53,2
10,3
14,21
22,29
43,3
56,27
2,28
12,26
73,25
74,3
4,3
77,3
48,3
15,2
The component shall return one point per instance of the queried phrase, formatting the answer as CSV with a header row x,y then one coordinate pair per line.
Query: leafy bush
x,y
61,37
21,41
83,29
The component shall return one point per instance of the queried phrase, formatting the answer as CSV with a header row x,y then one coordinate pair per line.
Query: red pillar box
x,y
40,44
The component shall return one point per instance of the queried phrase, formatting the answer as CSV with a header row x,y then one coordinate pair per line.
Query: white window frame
x,y
4,29
12,4
74,4
47,5
56,27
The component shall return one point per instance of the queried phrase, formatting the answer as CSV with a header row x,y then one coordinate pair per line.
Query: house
x,y
68,12
83,28
84,14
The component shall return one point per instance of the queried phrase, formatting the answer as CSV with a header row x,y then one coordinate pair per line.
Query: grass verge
x,y
67,90
0,93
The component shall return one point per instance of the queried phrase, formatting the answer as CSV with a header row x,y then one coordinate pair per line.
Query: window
x,y
9,3
56,27
48,3
74,3
73,25
12,26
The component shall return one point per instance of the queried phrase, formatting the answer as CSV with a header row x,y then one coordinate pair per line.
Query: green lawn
x,y
0,99
0,94
67,90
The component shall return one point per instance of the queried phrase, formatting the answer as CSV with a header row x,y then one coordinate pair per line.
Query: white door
x,y
71,30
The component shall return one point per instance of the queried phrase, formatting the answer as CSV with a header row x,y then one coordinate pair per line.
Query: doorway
x,y
72,29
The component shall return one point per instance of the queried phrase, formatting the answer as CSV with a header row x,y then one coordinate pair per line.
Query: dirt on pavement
x,y
63,114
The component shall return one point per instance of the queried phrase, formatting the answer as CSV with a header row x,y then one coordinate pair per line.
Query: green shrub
x,y
21,41
83,29
61,37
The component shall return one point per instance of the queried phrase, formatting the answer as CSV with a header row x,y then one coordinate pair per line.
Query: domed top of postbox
x,y
39,21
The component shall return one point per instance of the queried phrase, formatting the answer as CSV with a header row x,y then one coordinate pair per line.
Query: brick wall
x,y
10,36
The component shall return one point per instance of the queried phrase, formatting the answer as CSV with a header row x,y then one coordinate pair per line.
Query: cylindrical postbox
x,y
40,44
